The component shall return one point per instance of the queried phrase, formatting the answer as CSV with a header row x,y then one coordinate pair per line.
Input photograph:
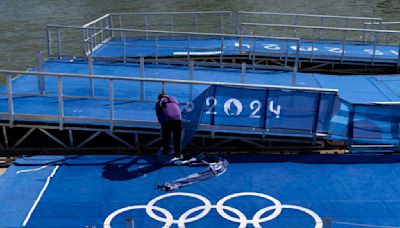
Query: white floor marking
x,y
31,170
39,196
241,218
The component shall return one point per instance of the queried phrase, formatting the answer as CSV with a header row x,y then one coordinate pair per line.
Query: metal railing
x,y
303,19
312,35
195,21
198,21
252,26
133,43
385,25
58,91
101,36
222,21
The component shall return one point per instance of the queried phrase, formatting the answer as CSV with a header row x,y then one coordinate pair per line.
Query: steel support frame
x,y
134,140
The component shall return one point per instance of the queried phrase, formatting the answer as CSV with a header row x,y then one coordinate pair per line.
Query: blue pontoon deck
x,y
107,73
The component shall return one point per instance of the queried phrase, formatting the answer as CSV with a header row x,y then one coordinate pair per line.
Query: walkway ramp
x,y
265,107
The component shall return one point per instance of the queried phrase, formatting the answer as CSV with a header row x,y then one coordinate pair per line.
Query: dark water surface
x,y
23,22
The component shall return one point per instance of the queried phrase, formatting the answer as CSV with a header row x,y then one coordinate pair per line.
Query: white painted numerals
x,y
233,107
371,52
274,47
276,111
212,102
255,106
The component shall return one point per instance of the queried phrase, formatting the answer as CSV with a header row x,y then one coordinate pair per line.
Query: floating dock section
x,y
238,87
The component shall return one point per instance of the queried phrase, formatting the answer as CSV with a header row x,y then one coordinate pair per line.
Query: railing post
x,y
39,68
111,104
243,74
312,45
189,47
48,37
230,22
145,25
142,76
196,21
221,55
84,44
156,38
343,45
321,22
287,52
59,43
253,50
240,44
171,24
91,42
90,70
10,102
123,46
110,26
237,23
296,65
374,48
191,76
60,103
222,23
120,23
101,26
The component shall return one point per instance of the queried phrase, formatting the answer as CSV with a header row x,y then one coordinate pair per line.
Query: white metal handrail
x,y
325,28
310,15
162,80
110,97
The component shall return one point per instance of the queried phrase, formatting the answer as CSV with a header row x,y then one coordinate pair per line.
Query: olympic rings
x,y
278,206
241,218
150,205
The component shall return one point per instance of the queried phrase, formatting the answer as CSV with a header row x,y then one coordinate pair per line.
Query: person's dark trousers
x,y
174,127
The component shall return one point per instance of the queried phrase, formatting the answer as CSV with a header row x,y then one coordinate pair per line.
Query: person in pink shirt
x,y
170,118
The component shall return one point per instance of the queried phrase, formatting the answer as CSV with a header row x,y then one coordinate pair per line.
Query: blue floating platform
x,y
78,191
134,112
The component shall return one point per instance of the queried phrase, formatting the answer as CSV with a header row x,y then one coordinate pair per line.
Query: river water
x,y
23,22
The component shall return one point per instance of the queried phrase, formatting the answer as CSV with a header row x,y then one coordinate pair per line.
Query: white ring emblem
x,y
221,209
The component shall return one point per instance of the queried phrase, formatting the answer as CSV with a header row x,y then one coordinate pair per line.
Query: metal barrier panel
x,y
68,97
304,19
273,111
376,124
365,124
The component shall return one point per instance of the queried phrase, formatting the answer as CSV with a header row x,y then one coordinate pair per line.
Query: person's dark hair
x,y
161,96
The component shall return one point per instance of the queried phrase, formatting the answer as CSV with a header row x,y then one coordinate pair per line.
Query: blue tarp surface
x,y
85,190
212,46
